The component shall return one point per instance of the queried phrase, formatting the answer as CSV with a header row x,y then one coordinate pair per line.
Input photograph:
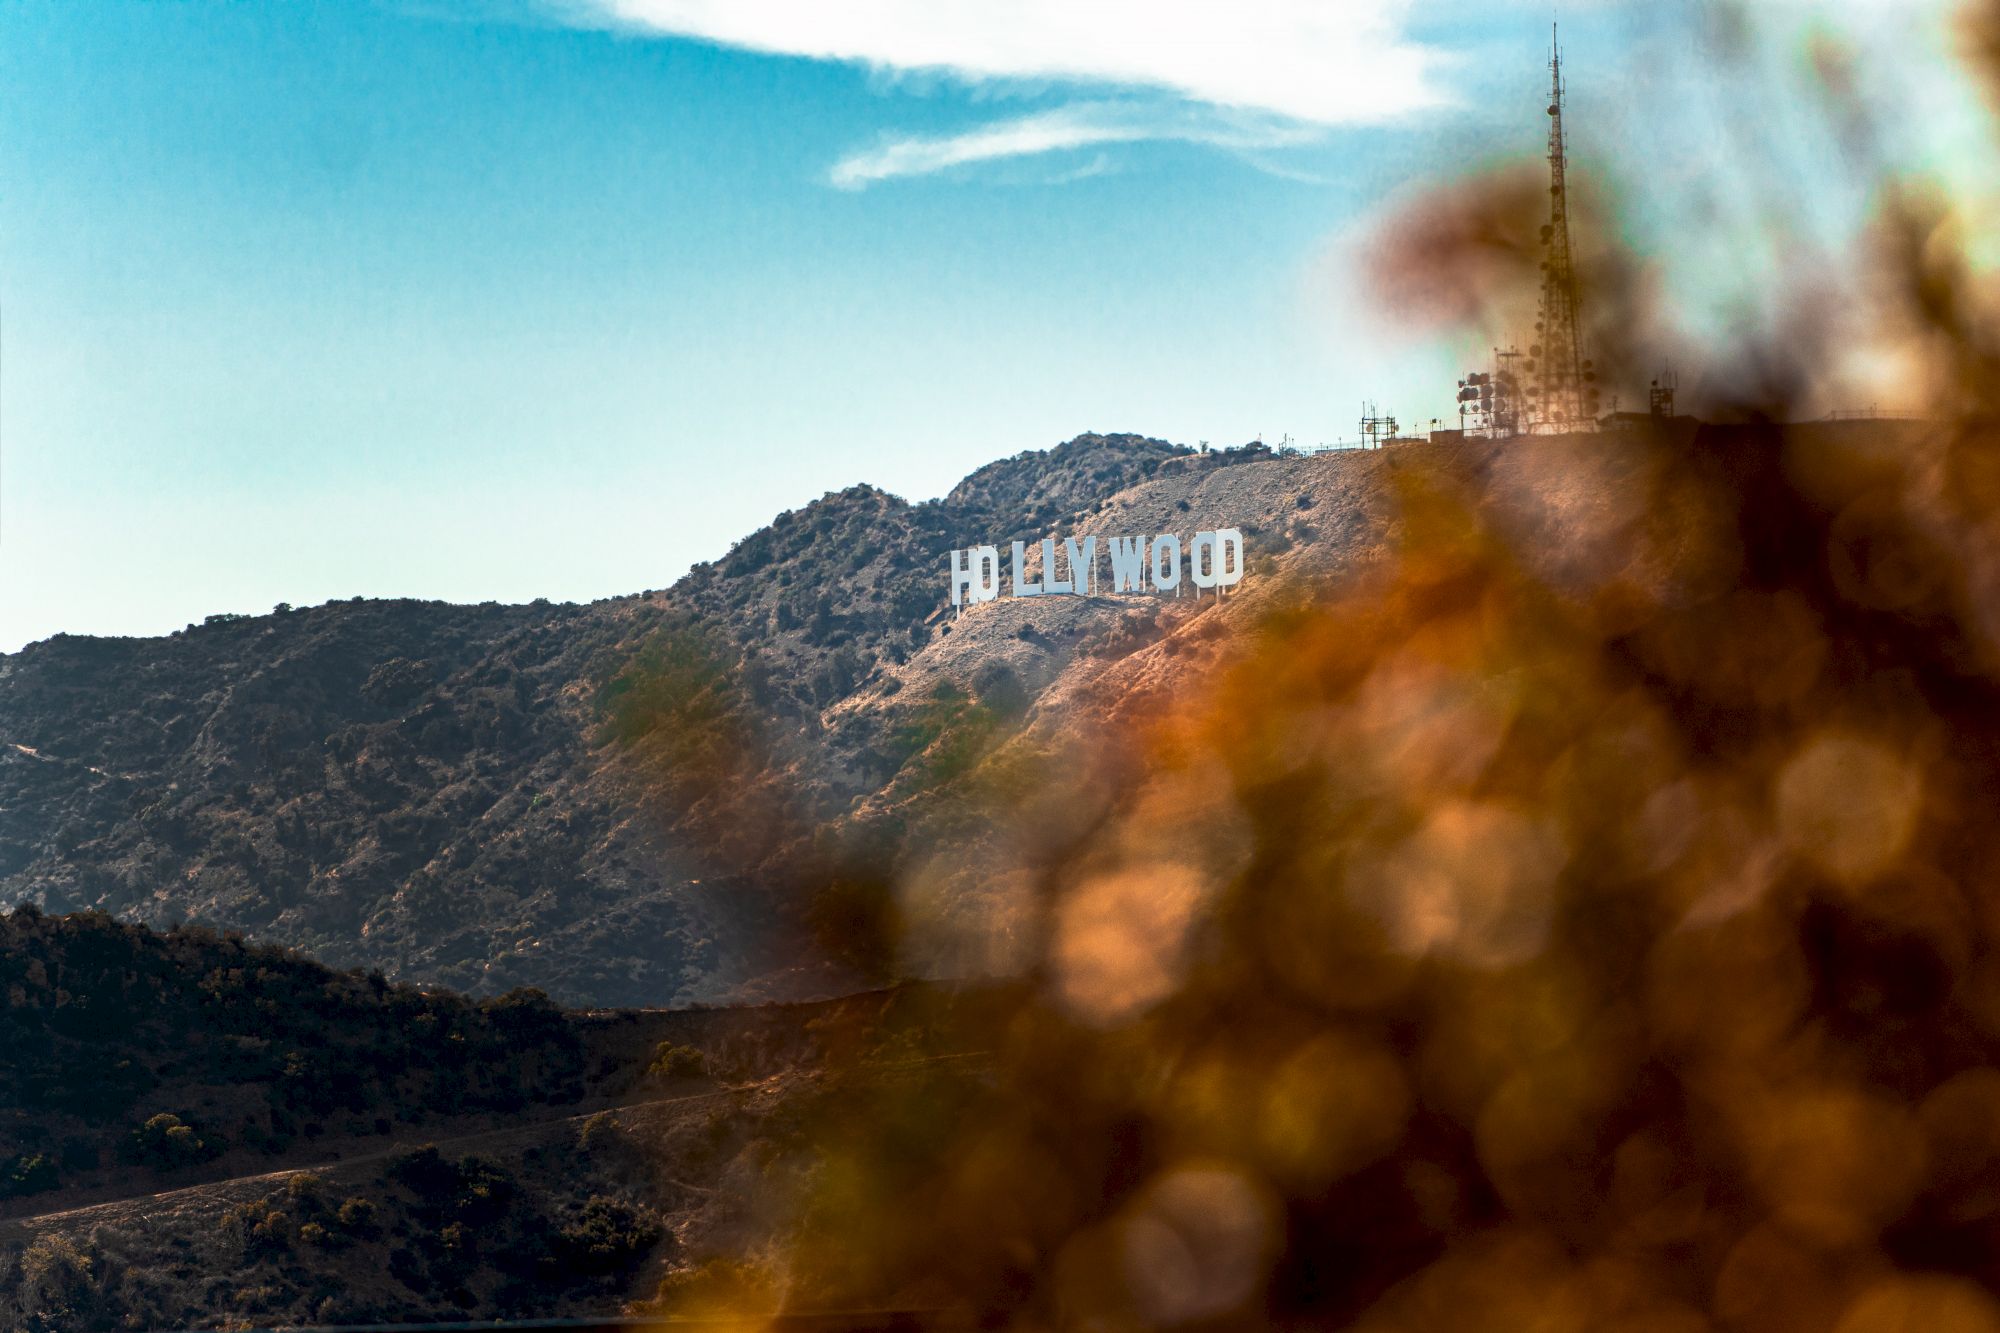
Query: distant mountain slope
x,y
333,778
608,801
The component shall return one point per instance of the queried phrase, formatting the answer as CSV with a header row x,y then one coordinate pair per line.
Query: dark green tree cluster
x,y
110,1033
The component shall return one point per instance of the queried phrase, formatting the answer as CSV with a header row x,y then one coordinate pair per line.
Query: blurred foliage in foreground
x,y
1584,918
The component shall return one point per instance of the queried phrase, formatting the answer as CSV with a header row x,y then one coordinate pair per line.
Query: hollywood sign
x,y
1138,564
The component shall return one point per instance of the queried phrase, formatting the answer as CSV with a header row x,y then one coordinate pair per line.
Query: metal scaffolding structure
x,y
1551,389
1489,401
1376,429
1562,392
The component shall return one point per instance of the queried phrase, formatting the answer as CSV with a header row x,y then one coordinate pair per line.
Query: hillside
x,y
129,1052
196,1131
1579,906
634,801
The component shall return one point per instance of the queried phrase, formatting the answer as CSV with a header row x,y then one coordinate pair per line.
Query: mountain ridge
x,y
441,791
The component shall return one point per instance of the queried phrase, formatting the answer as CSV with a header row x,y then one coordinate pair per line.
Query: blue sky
x,y
507,300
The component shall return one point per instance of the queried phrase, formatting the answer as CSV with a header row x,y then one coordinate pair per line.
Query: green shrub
x,y
306,1188
262,1229
676,1062
424,1172
599,1133
484,1190
57,1284
27,1173
356,1216
166,1141
608,1236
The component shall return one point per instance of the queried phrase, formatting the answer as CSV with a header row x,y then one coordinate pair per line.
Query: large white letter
x,y
1050,583
961,575
1082,564
1204,544
1023,588
1228,557
1166,561
986,563
1128,563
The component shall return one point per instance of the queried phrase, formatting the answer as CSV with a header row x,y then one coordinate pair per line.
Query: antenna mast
x,y
1564,393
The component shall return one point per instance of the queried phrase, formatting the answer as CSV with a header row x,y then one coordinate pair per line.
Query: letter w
x,y
1128,563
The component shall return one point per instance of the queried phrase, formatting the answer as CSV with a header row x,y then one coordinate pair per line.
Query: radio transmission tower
x,y
1563,396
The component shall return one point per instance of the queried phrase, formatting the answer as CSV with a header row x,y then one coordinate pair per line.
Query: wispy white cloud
x,y
1247,75
1080,125
1322,61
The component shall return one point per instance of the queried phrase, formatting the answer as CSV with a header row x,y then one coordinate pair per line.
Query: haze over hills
x,y
617,802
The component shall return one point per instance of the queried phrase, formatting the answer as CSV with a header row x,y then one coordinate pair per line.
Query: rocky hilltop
x,y
618,802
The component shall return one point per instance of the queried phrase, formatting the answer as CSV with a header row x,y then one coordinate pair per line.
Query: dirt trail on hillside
x,y
136,1207
234,1189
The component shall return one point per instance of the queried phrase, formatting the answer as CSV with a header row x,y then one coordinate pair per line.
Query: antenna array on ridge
x,y
1562,394
1550,389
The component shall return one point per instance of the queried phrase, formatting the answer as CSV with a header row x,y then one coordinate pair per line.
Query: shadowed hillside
x,y
196,1132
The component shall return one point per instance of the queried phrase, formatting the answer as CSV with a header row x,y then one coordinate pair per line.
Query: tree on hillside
x,y
164,1142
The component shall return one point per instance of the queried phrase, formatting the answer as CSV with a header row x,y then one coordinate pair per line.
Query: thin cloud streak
x,y
1083,125
1307,60
1097,166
